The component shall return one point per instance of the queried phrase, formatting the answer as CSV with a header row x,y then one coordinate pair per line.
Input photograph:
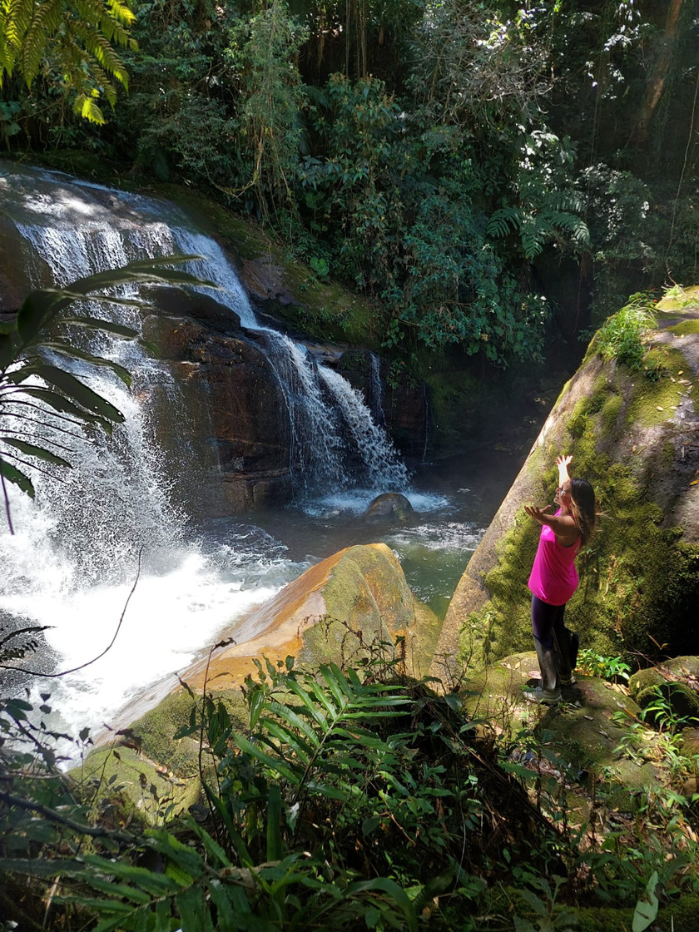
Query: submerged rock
x,y
633,435
389,505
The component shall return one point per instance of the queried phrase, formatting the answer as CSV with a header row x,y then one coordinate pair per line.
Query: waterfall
x,y
75,555
77,229
376,388
383,469
317,447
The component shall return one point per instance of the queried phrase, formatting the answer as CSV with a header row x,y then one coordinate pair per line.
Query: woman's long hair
x,y
583,508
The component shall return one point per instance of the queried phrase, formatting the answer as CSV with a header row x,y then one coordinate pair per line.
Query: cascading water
x,y
74,557
376,384
383,469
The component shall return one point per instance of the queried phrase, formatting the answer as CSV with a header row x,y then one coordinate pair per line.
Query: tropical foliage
x,y
346,799
75,39
476,168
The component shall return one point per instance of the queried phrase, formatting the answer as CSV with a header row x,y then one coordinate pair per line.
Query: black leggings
x,y
547,619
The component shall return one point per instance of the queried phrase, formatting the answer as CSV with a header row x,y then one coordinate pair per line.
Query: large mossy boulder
x,y
350,607
123,783
675,682
353,605
632,434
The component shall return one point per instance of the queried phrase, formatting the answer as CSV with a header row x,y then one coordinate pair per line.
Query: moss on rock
x,y
675,680
126,783
155,731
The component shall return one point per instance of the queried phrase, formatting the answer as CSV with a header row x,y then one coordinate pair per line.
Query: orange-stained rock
x,y
354,603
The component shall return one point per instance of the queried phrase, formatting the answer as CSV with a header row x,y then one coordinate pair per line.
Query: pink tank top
x,y
554,577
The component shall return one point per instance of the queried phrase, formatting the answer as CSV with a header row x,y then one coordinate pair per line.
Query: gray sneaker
x,y
567,680
543,696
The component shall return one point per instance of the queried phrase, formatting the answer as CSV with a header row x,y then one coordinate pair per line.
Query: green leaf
x,y
194,911
117,890
17,477
225,920
274,823
36,311
74,353
63,406
302,750
96,323
79,392
184,856
37,867
7,350
213,849
149,264
277,765
39,452
647,907
155,884
397,894
290,716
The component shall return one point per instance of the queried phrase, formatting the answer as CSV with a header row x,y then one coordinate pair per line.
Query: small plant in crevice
x,y
621,335
608,668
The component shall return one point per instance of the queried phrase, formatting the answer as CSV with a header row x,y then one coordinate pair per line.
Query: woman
x,y
554,579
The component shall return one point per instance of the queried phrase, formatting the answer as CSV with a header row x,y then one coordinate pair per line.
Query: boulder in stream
x,y
389,505
353,605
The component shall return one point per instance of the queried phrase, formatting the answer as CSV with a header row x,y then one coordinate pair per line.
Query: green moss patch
x,y
126,783
685,327
155,731
676,680
654,399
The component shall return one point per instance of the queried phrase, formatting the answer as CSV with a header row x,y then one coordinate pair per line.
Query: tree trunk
x,y
658,75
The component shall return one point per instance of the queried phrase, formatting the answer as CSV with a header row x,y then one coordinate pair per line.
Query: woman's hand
x,y
538,514
562,463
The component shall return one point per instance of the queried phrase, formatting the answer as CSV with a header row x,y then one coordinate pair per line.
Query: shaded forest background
x,y
496,176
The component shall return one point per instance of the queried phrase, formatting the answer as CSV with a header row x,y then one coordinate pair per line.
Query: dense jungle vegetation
x,y
493,174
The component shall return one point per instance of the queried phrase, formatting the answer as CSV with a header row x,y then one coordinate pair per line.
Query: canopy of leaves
x,y
75,37
446,157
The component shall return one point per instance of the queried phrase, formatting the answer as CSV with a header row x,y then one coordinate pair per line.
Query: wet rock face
x,y
352,605
238,413
14,284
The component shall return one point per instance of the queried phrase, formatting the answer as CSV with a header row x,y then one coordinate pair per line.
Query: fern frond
x,y
100,49
121,12
504,220
87,108
19,16
91,11
46,20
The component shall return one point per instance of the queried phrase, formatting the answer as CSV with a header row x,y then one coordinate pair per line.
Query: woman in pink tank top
x,y
554,579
